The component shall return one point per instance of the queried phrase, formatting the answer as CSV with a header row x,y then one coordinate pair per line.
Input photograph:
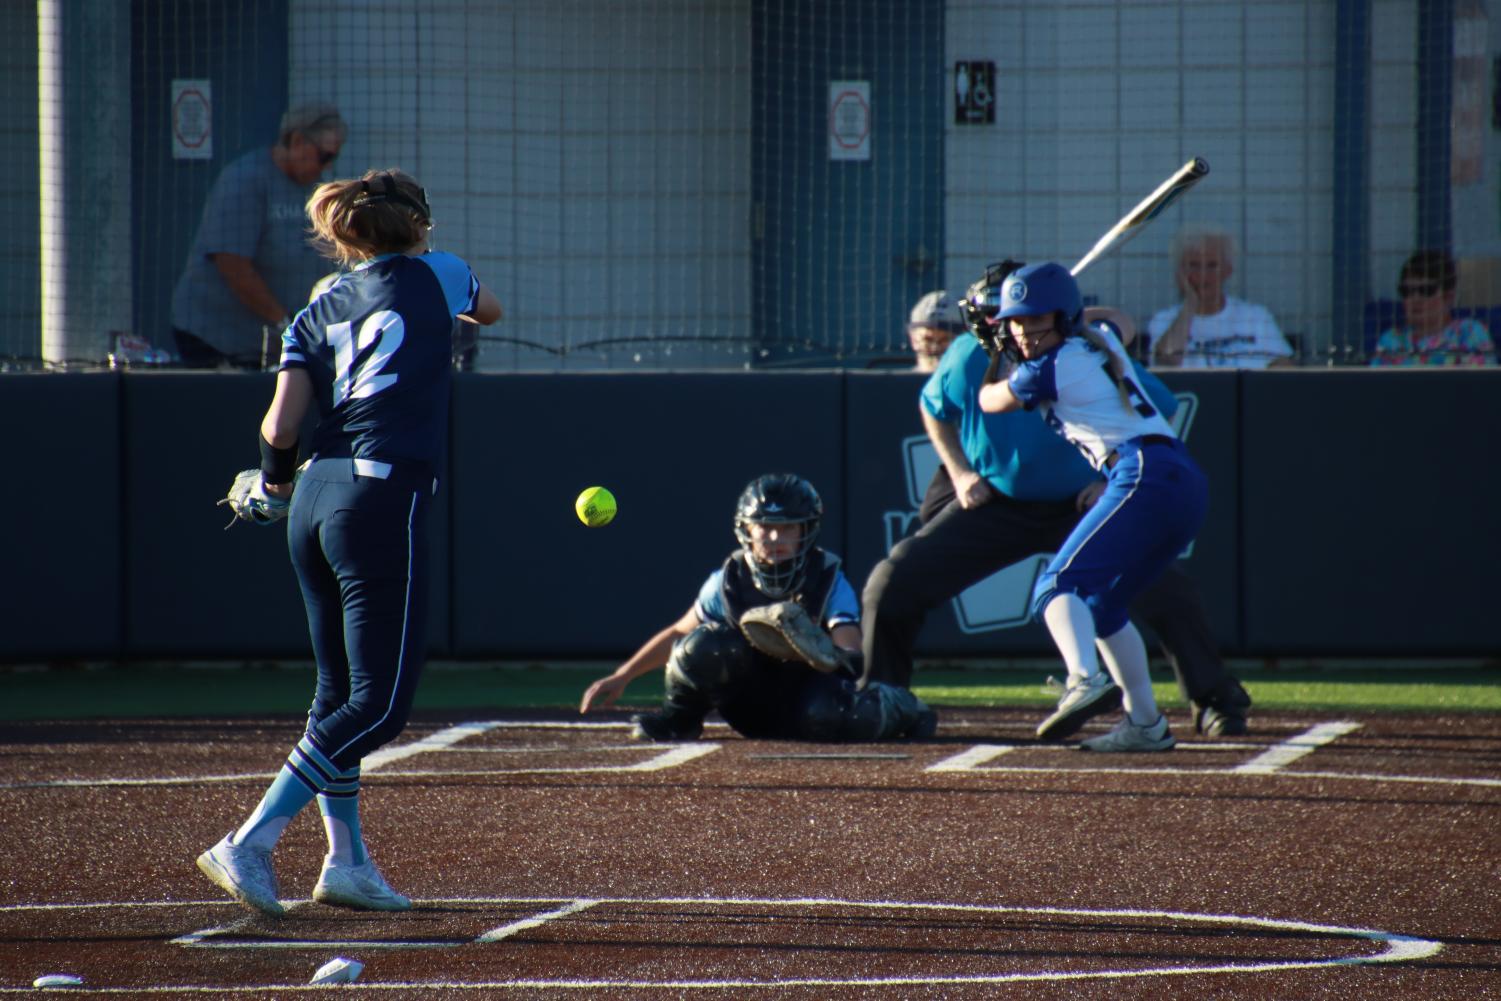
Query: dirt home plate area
x,y
1348,856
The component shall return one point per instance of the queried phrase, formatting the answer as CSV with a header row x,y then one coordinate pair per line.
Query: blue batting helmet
x,y
1039,289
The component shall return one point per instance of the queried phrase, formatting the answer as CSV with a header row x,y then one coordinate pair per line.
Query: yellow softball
x,y
595,507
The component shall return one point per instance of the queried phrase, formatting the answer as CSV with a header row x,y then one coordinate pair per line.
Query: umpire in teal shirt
x,y
1011,487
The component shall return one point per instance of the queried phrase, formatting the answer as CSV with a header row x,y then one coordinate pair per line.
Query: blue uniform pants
x,y
1154,504
360,549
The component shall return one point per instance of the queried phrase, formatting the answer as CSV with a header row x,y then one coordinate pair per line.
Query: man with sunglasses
x,y
1432,334
251,266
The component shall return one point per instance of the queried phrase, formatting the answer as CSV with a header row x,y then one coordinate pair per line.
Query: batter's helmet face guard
x,y
778,499
1039,289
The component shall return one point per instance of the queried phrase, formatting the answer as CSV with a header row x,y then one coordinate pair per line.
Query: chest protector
x,y
740,594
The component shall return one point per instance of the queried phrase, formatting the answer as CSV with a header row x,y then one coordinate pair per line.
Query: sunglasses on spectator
x,y
1421,290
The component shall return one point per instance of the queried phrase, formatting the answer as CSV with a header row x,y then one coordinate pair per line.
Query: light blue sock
x,y
340,806
305,773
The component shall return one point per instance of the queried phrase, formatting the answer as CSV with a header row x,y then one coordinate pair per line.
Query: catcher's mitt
x,y
784,630
250,502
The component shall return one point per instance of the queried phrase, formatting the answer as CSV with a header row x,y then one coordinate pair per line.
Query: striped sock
x,y
305,773
340,806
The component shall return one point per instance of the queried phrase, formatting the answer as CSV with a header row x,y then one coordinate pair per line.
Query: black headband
x,y
391,192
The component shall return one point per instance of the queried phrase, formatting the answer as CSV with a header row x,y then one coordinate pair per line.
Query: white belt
x,y
373,468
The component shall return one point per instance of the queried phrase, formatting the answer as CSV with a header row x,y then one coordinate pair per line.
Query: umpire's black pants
x,y
959,547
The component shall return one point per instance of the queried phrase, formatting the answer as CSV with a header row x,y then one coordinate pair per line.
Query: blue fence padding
x,y
62,509
1352,511
194,589
1369,520
530,580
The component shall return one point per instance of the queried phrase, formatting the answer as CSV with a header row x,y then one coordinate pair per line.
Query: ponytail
x,y
1113,364
383,212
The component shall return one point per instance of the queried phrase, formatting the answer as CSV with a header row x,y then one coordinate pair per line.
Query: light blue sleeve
x,y
844,604
1162,398
457,281
710,602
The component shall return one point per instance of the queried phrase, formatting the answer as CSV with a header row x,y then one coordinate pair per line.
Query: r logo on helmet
x,y
1018,291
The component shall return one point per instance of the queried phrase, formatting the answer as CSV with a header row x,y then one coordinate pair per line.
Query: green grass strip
x,y
261,689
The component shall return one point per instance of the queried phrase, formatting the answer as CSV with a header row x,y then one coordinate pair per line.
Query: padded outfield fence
x,y
701,183
1327,536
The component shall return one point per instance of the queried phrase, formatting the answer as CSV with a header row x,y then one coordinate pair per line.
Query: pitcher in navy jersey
x,y
1155,497
373,353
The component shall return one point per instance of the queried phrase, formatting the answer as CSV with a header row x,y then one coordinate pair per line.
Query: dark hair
x,y
381,213
1431,265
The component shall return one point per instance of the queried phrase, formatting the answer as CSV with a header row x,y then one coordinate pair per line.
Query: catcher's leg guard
x,y
701,668
834,711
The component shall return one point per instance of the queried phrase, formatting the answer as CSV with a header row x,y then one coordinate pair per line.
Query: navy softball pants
x,y
360,548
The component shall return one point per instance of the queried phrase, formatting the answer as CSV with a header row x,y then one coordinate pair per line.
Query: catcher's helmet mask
x,y
778,499
981,307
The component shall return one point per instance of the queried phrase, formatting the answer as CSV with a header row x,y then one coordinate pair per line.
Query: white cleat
x,y
1078,704
245,873
358,886
1128,736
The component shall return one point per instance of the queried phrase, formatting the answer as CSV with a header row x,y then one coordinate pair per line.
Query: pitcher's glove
x,y
785,631
250,502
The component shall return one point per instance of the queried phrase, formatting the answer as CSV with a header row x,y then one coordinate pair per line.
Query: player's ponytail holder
x,y
390,191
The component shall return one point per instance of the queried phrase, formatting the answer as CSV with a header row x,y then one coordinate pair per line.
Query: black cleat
x,y
1215,722
665,727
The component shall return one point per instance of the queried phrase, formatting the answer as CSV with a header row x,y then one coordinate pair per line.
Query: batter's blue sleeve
x,y
1036,381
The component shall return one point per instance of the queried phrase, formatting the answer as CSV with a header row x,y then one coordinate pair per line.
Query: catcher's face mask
x,y
776,522
777,553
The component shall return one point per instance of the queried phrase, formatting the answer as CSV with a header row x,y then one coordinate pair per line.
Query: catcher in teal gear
x,y
711,664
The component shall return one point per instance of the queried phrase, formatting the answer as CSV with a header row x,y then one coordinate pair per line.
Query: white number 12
x,y
385,330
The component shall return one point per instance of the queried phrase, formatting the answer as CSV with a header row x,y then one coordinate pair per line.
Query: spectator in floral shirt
x,y
1433,335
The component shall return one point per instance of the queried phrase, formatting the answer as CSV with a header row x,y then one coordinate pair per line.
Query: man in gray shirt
x,y
251,265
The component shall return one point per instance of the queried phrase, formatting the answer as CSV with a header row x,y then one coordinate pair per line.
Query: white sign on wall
x,y
849,120
192,120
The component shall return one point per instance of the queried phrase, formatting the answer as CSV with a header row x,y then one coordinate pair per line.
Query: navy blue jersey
x,y
378,346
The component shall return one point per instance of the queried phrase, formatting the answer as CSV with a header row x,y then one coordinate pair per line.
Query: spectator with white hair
x,y
1210,329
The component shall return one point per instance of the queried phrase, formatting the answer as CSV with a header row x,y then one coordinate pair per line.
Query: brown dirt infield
x,y
553,860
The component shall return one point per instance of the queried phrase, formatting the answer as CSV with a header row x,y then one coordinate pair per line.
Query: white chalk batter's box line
x,y
1395,948
1272,761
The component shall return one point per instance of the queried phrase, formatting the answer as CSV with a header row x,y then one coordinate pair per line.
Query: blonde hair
x,y
1114,365
382,212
